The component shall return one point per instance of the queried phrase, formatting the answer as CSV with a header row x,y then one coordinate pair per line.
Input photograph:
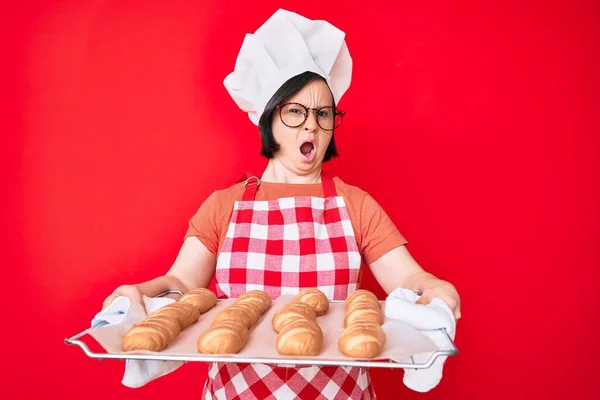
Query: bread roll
x,y
185,313
301,337
363,336
224,337
363,310
153,334
314,298
170,324
362,339
230,329
291,312
258,297
246,313
202,299
159,329
144,337
361,295
362,304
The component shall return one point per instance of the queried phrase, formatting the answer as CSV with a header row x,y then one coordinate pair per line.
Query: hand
x,y
132,292
445,292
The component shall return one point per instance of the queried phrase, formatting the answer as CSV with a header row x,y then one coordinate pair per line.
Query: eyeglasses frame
x,y
336,111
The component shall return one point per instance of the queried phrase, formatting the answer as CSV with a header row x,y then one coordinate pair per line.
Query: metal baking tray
x,y
447,349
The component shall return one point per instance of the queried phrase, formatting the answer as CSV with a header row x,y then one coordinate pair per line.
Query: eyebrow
x,y
317,107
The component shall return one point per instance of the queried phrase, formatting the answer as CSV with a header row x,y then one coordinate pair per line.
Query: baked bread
x,y
247,313
258,297
224,337
362,339
363,336
363,310
361,295
301,337
161,328
292,312
152,334
230,329
145,337
202,299
171,325
314,298
185,313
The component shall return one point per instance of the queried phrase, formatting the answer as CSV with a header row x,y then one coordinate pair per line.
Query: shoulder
x,y
222,198
358,199
352,192
229,193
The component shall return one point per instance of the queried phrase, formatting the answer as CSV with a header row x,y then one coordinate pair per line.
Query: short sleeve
x,y
204,224
379,234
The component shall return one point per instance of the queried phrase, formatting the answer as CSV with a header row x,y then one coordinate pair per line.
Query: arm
x,y
397,268
194,266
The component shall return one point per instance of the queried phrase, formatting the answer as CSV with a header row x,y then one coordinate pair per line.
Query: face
x,y
303,148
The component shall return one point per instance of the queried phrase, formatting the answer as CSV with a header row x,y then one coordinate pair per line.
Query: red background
x,y
475,124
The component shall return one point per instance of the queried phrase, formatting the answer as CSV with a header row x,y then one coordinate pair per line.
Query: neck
x,y
276,172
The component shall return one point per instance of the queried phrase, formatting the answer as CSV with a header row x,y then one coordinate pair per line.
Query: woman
x,y
292,227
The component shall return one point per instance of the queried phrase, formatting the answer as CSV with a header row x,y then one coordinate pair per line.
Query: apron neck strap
x,y
252,182
328,185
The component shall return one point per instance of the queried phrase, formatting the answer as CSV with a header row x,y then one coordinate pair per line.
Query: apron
x,y
282,246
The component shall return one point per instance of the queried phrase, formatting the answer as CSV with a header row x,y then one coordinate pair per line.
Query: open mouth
x,y
308,151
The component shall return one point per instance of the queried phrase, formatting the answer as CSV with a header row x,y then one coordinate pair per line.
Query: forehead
x,y
316,93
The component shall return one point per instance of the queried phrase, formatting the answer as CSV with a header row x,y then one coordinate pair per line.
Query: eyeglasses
x,y
295,114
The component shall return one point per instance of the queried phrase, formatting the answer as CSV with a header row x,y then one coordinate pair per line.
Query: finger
x,y
108,300
457,313
135,295
451,302
453,306
423,300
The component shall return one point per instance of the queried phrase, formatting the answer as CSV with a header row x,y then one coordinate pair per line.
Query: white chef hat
x,y
286,45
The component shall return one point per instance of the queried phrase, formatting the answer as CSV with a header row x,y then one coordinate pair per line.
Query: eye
x,y
325,113
294,110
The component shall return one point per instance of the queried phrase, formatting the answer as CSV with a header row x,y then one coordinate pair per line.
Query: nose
x,y
311,122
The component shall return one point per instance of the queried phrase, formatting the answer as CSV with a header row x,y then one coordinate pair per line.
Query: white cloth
x,y
286,45
400,305
137,372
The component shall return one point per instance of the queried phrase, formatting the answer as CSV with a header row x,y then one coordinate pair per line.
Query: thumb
x,y
133,294
136,297
424,299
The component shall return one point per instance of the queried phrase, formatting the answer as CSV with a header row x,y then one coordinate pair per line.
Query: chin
x,y
304,166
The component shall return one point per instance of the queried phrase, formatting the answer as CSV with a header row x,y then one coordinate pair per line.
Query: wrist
x,y
422,281
159,285
426,281
174,283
